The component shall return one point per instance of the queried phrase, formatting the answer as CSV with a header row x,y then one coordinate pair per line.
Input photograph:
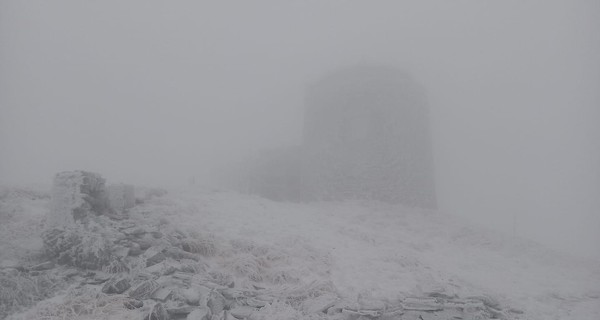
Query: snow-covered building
x,y
366,135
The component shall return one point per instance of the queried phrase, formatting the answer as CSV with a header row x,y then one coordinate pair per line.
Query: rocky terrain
x,y
161,257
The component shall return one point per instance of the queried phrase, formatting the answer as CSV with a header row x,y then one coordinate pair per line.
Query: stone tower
x,y
366,135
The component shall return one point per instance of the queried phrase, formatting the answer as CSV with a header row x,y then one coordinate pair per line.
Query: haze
x,y
156,92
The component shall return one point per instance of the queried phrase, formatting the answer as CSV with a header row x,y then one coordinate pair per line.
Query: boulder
x,y
79,247
116,287
158,313
144,290
198,314
133,304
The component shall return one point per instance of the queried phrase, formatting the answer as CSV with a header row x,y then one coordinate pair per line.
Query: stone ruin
x,y
78,225
78,196
366,135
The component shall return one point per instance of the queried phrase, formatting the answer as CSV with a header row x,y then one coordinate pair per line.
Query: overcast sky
x,y
152,92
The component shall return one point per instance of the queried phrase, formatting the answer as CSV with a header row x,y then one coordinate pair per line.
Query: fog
x,y
157,92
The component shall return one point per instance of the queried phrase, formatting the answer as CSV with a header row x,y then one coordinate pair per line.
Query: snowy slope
x,y
389,252
366,251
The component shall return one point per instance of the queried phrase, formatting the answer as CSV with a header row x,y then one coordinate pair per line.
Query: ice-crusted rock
x,y
116,286
158,313
198,314
77,246
144,290
76,195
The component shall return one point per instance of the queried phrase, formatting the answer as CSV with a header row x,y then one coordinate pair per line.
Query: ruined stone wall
x,y
76,195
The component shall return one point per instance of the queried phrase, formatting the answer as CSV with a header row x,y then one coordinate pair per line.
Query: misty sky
x,y
153,92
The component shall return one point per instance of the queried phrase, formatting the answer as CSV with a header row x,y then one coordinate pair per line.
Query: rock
x,y
162,294
116,266
319,304
144,290
158,313
180,311
205,247
156,258
219,316
242,312
133,304
394,314
198,314
154,255
100,277
192,296
120,251
166,267
253,302
368,314
516,311
70,273
156,269
116,287
233,294
134,231
487,301
191,266
42,266
422,304
134,249
216,302
79,247
179,254
57,241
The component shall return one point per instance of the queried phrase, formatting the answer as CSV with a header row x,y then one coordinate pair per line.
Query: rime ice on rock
x,y
76,195
121,198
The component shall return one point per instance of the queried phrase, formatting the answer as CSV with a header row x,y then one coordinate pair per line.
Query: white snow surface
x,y
388,252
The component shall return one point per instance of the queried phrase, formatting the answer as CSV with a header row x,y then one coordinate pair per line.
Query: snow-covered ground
x,y
366,250
389,252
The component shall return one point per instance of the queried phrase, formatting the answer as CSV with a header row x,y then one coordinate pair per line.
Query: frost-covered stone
x,y
133,304
216,302
192,296
76,195
79,247
117,286
180,311
320,303
144,290
198,314
158,313
242,312
162,294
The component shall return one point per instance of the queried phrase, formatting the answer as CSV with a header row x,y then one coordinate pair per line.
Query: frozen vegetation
x,y
197,254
